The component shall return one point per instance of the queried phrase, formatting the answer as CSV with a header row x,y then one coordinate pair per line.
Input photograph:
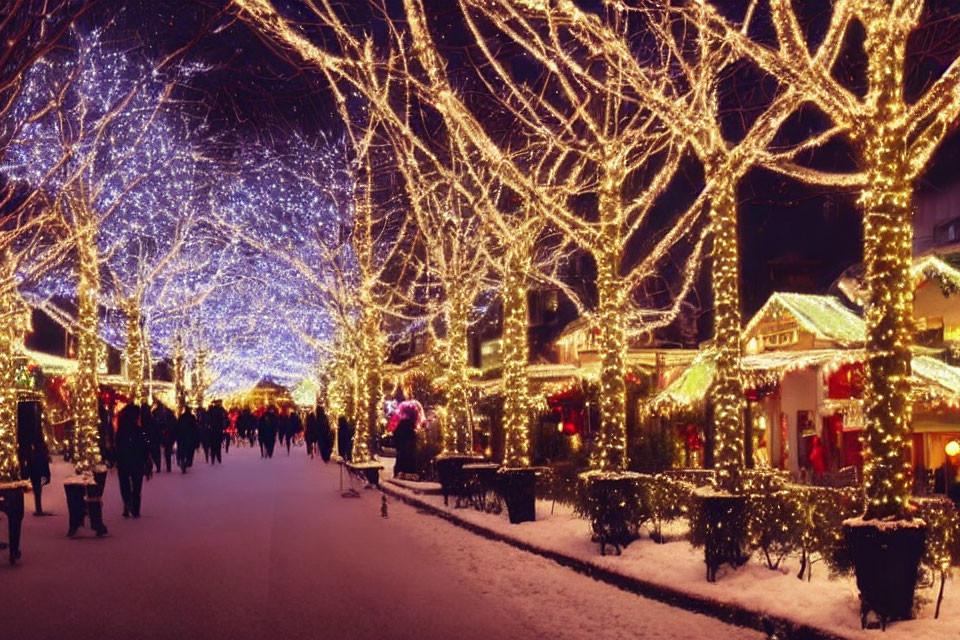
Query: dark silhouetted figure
x,y
344,438
405,440
268,431
166,423
152,432
133,459
187,436
203,426
218,422
296,427
311,433
247,425
37,469
324,434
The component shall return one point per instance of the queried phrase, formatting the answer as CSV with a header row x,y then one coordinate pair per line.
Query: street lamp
x,y
952,449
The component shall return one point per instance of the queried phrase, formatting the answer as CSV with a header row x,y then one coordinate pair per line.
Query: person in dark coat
x,y
268,430
166,423
37,467
324,434
151,430
133,459
187,437
344,438
291,427
311,433
217,423
405,440
203,427
247,425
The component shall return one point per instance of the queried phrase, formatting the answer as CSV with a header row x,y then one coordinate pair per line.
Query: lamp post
x,y
952,449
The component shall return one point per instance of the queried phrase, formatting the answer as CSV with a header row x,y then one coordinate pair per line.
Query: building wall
x,y
933,211
799,391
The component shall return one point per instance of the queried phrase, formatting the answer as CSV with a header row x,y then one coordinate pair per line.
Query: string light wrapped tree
x,y
893,141
93,145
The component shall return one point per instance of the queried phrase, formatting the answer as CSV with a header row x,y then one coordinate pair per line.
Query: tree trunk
x,y
368,384
9,463
85,407
727,392
458,435
516,355
610,453
888,252
134,351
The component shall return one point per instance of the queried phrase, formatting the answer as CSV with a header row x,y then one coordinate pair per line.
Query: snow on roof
x,y
823,316
937,372
851,283
690,388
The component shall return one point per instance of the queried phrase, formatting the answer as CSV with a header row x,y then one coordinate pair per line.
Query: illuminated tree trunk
x,y
85,407
887,252
726,395
610,453
199,377
179,376
458,436
369,384
611,450
9,463
516,355
134,351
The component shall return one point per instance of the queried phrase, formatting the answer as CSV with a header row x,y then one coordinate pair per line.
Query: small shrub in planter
x,y
665,500
942,550
821,512
776,525
719,524
614,504
449,473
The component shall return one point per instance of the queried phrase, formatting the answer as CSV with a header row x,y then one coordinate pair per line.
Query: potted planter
x,y
518,488
449,473
886,556
720,527
11,503
612,502
85,498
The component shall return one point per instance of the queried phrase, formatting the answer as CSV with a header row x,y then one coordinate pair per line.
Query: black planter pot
x,y
76,506
614,506
518,488
449,470
723,520
12,505
886,557
95,502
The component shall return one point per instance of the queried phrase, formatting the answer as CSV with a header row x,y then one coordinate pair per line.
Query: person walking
x,y
344,438
37,467
324,434
217,423
203,426
269,434
405,440
311,433
166,423
151,430
247,425
133,459
187,436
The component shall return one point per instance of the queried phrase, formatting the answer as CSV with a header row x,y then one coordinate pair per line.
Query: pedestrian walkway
x,y
270,549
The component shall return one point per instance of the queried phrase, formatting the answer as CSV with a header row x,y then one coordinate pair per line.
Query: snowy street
x,y
268,548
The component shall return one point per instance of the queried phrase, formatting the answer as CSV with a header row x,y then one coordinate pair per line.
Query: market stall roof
x,y
51,364
823,316
690,389
930,267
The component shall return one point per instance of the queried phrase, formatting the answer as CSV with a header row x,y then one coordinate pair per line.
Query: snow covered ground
x,y
269,549
827,604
